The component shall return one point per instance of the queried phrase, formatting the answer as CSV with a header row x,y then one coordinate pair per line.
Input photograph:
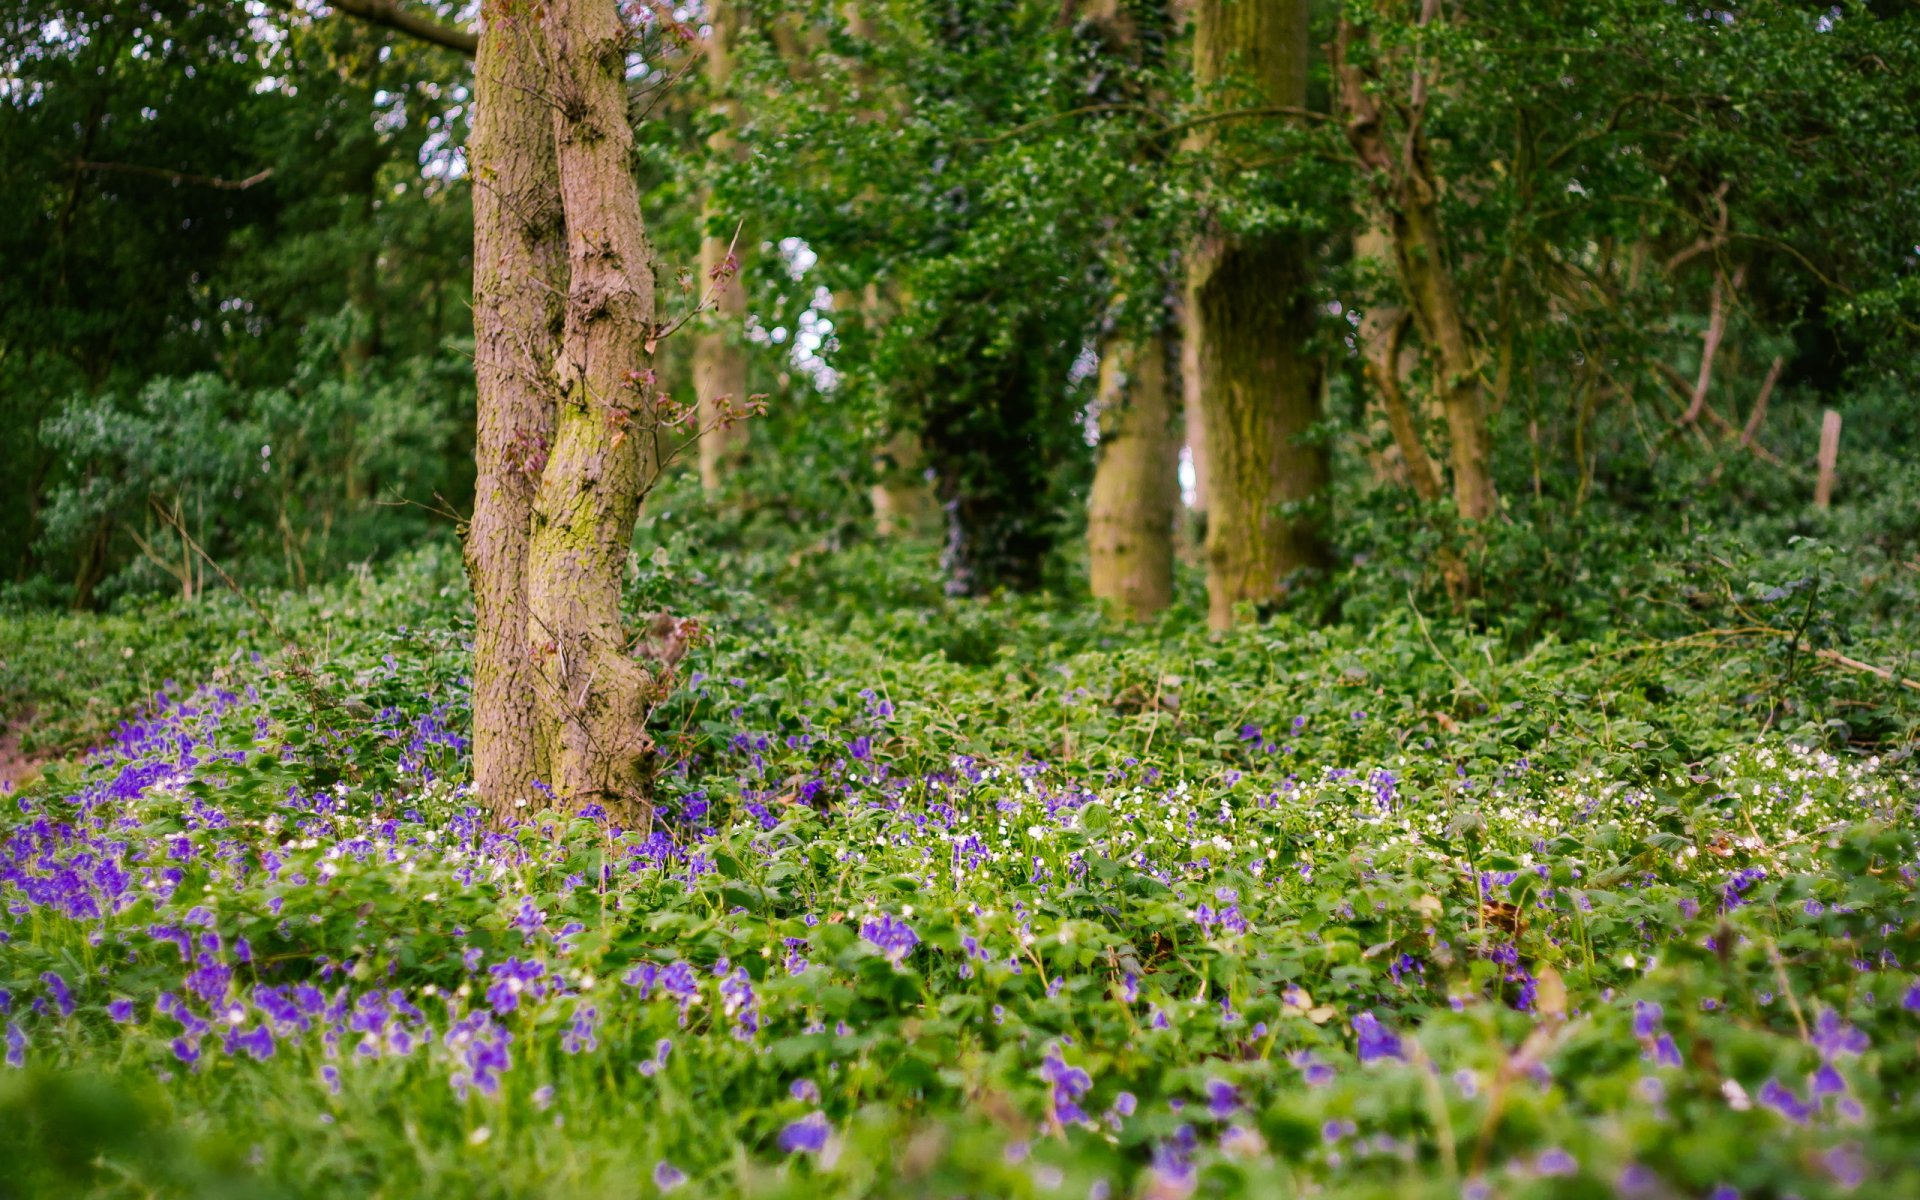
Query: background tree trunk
x,y
519,273
720,350
1136,489
1382,339
1135,495
900,498
1259,388
594,697
1409,192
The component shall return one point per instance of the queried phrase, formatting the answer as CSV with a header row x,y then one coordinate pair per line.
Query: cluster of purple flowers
x,y
1067,1085
891,936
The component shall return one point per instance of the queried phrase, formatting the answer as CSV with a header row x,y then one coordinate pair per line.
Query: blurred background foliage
x,y
235,309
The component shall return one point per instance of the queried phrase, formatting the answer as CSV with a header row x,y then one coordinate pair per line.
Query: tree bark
x,y
1407,189
1259,387
1136,491
1382,338
519,273
720,350
593,695
1136,483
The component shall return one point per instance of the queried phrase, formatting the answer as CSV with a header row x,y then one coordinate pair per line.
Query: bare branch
x,y
177,177
389,15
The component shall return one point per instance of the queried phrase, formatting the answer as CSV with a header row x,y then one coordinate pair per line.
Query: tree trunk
x,y
900,497
519,272
593,695
1136,494
1406,187
1422,257
1259,388
1382,336
720,350
1136,482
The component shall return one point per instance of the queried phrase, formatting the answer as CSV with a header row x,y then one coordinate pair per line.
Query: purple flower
x,y
661,1049
1847,1164
1173,1160
1070,1083
739,1002
1737,885
808,1135
62,995
583,1032
890,936
804,1089
1785,1101
1315,1072
1374,1041
1646,1018
666,1176
16,1045
1555,1161
1833,1037
120,1011
1665,1053
1223,1099
1828,1081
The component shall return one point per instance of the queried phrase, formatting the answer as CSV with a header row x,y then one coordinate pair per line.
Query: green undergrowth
x,y
986,897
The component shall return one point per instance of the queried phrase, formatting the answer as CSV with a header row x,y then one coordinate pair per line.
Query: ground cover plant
x,y
1085,911
1127,599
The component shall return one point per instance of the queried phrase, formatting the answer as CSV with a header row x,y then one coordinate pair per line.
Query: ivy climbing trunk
x,y
519,277
1136,493
1251,319
593,696
720,351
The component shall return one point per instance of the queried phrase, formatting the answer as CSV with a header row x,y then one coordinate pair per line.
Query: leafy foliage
x,y
1378,909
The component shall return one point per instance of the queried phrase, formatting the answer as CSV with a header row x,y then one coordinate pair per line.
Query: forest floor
x,y
962,898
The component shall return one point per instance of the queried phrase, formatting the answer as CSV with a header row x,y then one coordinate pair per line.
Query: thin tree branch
x,y
177,177
389,15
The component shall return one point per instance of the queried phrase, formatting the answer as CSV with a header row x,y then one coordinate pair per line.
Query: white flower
x,y
1736,1095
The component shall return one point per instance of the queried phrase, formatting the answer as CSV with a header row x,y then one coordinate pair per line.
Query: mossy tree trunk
x,y
519,278
1136,492
1135,496
1259,386
720,350
593,696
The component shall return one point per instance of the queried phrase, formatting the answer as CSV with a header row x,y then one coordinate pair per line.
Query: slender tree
x,y
1136,488
593,695
1250,315
519,281
719,351
1135,494
1407,191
